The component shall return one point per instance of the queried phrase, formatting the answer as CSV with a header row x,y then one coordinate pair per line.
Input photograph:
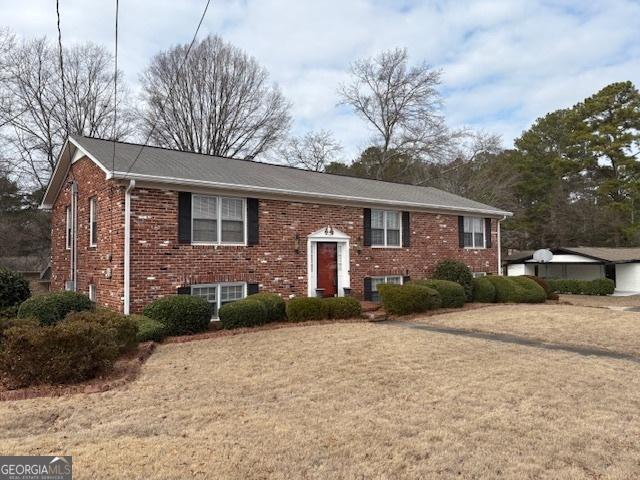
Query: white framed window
x,y
386,228
473,232
93,222
478,274
218,220
219,294
68,229
375,281
92,292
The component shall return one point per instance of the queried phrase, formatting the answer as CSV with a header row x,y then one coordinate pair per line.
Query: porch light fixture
x,y
297,243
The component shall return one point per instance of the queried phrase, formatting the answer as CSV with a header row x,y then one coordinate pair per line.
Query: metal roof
x,y
186,168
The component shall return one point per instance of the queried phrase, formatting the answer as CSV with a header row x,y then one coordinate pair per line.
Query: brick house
x,y
130,225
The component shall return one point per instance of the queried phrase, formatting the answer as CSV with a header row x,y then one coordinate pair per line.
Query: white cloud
x,y
505,62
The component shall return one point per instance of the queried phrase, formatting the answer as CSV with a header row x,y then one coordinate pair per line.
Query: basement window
x,y
375,281
219,294
92,292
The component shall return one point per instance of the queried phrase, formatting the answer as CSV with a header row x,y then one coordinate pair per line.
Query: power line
x,y
64,91
193,40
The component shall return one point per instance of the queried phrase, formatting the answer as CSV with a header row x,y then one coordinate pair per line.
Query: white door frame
x,y
328,234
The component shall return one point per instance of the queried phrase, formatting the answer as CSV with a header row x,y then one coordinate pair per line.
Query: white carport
x,y
622,265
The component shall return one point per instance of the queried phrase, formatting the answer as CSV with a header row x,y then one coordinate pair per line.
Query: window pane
x,y
231,293
394,280
393,238
209,293
477,225
479,240
377,219
232,231
94,233
232,209
468,239
205,207
205,230
375,281
393,220
468,224
377,236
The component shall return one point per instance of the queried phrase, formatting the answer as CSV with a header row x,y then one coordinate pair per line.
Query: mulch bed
x,y
125,370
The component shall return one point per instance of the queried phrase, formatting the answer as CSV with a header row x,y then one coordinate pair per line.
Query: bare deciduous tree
x,y
401,103
218,103
312,151
33,115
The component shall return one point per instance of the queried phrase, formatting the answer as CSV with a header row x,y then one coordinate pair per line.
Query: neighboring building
x,y
34,268
622,265
130,225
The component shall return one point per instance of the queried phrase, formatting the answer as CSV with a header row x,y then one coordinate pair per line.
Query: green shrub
x,y
274,304
343,307
180,314
9,312
14,289
66,352
53,307
483,290
243,313
599,286
543,283
301,309
451,293
148,329
531,291
124,328
458,272
507,291
406,299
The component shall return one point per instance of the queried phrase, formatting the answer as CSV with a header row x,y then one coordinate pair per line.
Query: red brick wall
x,y
160,265
92,262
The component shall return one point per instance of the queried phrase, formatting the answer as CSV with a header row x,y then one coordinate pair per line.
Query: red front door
x,y
328,268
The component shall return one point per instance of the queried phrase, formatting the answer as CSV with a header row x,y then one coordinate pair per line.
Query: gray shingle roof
x,y
605,254
196,169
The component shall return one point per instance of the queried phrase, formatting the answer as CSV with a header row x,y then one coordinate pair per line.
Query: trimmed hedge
x,y
406,299
14,289
451,293
243,313
9,312
7,323
458,272
599,286
517,290
483,290
149,329
180,314
124,329
274,304
301,309
53,307
68,351
343,307
531,292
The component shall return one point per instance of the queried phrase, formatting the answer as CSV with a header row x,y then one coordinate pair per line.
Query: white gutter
x,y
500,246
254,188
127,246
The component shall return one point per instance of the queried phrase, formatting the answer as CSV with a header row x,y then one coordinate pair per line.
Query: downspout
x,y
127,246
500,246
74,239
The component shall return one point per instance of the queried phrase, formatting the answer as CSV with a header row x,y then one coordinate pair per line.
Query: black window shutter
x,y
368,293
253,223
461,232
405,279
184,217
487,232
184,290
252,288
406,229
367,227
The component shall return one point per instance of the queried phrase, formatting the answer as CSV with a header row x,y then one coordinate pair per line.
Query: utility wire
x,y
60,55
193,40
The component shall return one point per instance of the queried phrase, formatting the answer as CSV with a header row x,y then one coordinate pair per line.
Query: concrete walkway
x,y
516,340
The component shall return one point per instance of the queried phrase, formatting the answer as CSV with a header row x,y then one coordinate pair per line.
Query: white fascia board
x,y
289,193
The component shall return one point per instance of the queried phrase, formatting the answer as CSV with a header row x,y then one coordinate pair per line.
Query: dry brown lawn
x,y
601,301
580,326
347,401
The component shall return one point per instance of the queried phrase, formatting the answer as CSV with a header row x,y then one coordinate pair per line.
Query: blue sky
x,y
504,63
